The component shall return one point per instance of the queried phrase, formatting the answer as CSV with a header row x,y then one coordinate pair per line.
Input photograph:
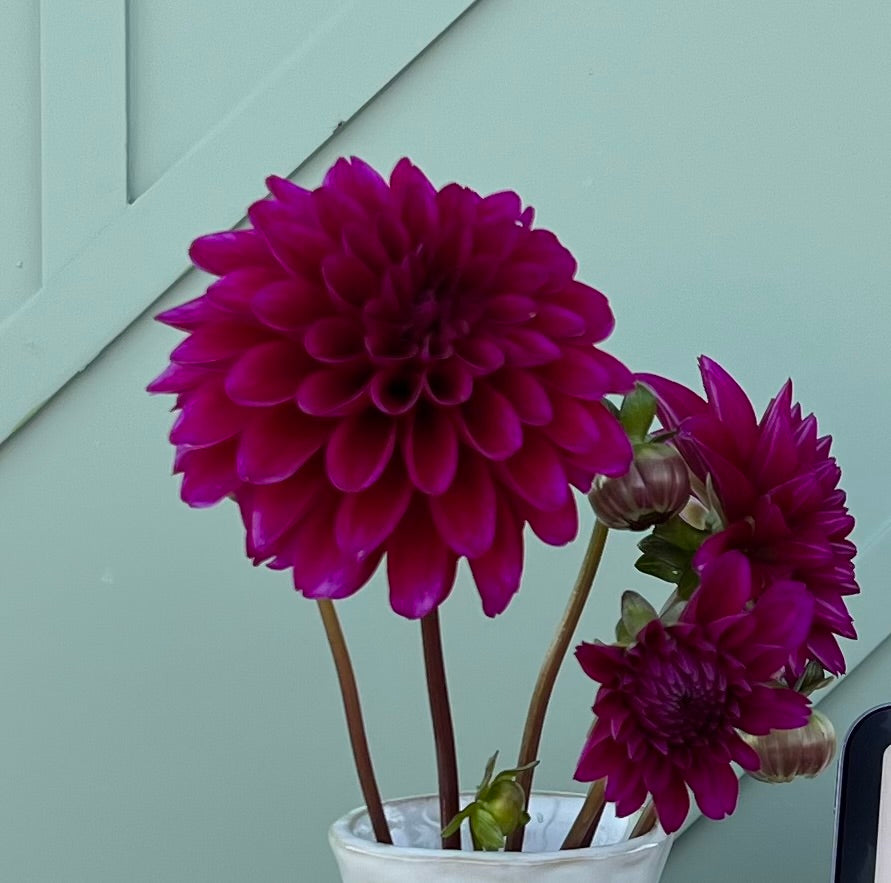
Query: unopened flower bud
x,y
655,488
504,800
788,754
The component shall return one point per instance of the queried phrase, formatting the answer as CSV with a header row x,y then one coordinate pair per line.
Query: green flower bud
x,y
497,811
656,487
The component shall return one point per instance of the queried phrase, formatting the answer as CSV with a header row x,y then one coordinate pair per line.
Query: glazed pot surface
x,y
416,856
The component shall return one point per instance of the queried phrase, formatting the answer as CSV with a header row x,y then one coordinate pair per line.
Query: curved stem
x,y
544,686
645,822
443,733
585,825
355,724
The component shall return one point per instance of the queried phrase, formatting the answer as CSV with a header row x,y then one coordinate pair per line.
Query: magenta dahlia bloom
x,y
778,491
670,705
383,368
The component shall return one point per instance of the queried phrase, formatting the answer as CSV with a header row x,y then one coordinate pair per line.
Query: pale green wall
x,y
721,172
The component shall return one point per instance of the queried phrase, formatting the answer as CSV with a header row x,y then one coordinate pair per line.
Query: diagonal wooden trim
x,y
131,261
83,95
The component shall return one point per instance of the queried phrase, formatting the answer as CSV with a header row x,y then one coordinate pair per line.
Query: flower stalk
x,y
443,732
355,724
585,825
547,676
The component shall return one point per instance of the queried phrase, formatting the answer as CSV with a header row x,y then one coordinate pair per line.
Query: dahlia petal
x,y
337,391
676,402
449,382
234,292
393,236
217,342
725,589
557,527
481,355
497,571
366,519
465,514
503,205
321,569
208,474
743,753
543,247
430,450
358,179
613,454
359,450
208,416
491,425
191,315
297,199
289,305
267,374
178,378
775,456
520,276
273,509
731,404
824,648
526,395
348,279
600,662
420,567
511,309
559,323
277,442
395,390
715,788
334,339
573,428
772,708
524,348
220,253
417,197
587,374
536,473
591,305
735,491
297,247
672,804
360,242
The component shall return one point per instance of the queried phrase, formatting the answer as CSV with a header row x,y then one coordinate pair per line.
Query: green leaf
x,y
487,775
687,584
637,612
657,547
455,823
623,636
659,569
679,533
637,412
486,833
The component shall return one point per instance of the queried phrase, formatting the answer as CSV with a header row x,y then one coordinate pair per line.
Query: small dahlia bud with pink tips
x,y
656,487
787,754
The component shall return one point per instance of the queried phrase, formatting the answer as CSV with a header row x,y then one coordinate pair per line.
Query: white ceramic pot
x,y
415,855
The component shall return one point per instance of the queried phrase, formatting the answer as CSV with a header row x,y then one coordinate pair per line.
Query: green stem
x,y
547,676
443,733
355,724
585,825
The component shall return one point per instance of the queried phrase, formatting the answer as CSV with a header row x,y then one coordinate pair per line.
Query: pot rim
x,y
340,834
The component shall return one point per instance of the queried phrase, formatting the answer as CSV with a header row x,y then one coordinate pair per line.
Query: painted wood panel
x,y
98,286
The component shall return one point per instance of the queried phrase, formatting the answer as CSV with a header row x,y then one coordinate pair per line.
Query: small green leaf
x,y
486,833
655,546
455,823
637,412
687,584
623,636
487,775
659,569
679,533
637,612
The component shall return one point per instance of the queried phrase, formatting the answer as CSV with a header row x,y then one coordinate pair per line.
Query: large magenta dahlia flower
x,y
670,706
778,491
387,368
